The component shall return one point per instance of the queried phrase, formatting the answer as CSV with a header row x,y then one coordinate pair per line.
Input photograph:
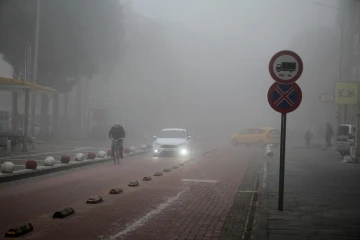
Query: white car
x,y
174,141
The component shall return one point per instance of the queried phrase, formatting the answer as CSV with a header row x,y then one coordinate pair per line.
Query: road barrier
x,y
91,155
167,170
31,164
133,184
79,157
116,191
19,231
50,161
109,153
148,178
94,200
64,213
101,154
126,150
65,159
268,151
8,167
158,174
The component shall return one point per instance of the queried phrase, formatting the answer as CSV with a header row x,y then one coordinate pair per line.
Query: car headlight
x,y
183,151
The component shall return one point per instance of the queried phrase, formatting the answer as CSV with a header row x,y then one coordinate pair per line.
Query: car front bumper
x,y
183,152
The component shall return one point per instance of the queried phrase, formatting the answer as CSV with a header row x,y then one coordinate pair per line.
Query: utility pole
x,y
35,70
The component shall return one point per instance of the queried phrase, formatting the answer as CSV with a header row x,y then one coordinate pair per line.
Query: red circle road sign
x,y
285,67
284,98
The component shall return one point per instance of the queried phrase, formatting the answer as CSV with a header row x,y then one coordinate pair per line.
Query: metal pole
x,y
35,66
37,33
26,117
282,162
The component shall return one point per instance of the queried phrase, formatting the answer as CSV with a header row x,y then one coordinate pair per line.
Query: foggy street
x,y
180,119
177,205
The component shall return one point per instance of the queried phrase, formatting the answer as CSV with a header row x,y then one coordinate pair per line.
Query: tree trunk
x,y
78,105
44,116
15,112
66,126
55,116
33,113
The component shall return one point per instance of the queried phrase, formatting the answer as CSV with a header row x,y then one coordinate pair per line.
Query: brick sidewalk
x,y
321,198
165,208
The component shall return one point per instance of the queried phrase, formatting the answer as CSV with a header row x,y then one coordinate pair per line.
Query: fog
x,y
203,65
210,72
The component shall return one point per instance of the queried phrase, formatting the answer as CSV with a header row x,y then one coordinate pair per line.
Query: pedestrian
x,y
329,133
308,136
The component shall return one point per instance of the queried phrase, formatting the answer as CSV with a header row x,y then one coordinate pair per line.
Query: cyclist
x,y
116,132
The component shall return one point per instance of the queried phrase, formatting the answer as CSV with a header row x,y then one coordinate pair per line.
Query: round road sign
x,y
285,67
284,98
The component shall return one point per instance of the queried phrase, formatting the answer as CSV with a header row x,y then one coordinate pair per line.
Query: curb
x,y
262,232
35,173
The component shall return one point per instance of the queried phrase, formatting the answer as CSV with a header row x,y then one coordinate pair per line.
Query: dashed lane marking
x,y
200,180
142,221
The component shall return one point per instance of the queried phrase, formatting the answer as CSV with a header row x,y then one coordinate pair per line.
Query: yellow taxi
x,y
259,136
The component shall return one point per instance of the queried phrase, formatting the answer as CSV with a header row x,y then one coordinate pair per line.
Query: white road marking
x,y
199,180
140,222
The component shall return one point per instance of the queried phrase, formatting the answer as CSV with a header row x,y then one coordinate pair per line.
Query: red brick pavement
x,y
198,213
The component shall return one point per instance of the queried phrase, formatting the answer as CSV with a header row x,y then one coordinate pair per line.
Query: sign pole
x,y
282,162
284,96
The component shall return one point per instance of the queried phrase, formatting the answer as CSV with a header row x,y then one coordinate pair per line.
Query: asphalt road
x,y
190,202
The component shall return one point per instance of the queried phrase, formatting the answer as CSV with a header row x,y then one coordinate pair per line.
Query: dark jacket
x,y
117,132
329,132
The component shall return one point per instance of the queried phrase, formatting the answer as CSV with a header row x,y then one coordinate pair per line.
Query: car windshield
x,y
172,134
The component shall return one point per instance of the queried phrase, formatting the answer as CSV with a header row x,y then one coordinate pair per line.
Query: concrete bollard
x,y
8,167
79,157
101,154
268,151
132,149
50,161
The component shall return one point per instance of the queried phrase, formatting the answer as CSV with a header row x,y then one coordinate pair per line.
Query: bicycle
x,y
118,148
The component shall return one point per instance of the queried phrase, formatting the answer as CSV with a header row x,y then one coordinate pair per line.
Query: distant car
x,y
172,141
345,138
259,136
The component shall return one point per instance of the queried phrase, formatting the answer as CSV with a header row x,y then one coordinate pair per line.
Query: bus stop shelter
x,y
16,85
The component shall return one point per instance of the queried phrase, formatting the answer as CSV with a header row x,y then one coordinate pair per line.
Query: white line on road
x,y
140,222
199,180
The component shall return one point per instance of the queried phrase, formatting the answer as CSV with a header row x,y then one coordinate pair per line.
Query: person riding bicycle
x,y
116,132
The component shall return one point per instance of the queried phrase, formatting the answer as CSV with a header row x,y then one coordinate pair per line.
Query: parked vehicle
x,y
345,138
257,136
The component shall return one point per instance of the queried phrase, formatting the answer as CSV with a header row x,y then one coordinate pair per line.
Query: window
x,y
246,131
172,134
274,132
259,131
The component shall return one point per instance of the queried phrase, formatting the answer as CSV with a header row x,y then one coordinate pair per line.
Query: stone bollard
x,y
50,161
8,167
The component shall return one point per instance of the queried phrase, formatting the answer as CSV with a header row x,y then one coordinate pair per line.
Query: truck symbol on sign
x,y
286,67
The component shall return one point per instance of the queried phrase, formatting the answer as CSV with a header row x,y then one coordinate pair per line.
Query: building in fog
x,y
350,47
